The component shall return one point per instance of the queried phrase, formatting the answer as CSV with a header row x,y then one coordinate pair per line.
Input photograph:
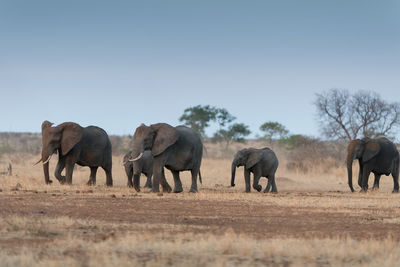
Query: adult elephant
x,y
176,148
379,156
135,168
261,162
89,146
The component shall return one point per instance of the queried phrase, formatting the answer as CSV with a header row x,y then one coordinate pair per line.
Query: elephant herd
x,y
181,149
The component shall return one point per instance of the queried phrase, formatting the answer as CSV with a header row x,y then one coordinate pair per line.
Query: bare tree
x,y
345,116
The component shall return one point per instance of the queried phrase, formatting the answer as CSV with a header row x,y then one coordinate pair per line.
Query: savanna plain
x,y
314,219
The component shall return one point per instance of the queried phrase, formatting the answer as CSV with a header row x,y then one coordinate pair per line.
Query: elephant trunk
x,y
46,172
137,152
45,159
350,158
233,173
136,182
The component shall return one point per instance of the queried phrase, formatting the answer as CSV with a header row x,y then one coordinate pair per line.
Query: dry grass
x,y
106,245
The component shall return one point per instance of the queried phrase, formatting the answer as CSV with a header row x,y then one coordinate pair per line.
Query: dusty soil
x,y
257,219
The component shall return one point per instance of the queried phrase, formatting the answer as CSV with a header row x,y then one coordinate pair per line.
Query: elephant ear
x,y
371,149
253,158
71,135
165,136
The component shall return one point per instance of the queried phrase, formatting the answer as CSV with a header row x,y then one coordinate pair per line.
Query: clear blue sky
x,y
117,64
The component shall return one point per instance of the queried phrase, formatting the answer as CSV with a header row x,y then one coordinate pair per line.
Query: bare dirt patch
x,y
258,219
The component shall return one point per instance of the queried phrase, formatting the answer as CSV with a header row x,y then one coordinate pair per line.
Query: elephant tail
x,y
201,180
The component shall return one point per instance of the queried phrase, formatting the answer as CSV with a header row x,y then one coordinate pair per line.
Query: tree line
x,y
200,117
341,115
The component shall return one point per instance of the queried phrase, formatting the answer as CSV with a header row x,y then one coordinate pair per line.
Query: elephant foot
x,y
167,189
257,187
148,190
61,179
49,182
193,190
130,184
148,185
91,183
178,190
395,191
137,189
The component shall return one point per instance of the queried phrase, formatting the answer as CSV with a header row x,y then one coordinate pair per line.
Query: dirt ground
x,y
258,219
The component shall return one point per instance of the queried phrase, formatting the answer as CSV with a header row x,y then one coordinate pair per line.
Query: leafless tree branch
x,y
346,116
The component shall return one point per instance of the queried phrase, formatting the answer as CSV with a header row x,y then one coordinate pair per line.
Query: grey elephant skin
x,y
89,146
261,162
175,148
379,156
136,168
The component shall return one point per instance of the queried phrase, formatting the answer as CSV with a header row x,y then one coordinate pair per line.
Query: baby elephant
x,y
261,162
135,168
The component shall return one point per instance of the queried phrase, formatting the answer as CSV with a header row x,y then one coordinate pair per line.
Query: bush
x,y
304,153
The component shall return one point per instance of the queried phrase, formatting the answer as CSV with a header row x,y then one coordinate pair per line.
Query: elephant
x,y
378,155
261,162
135,168
89,146
177,148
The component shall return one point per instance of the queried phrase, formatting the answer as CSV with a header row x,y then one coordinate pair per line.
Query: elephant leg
x,y
69,169
108,170
193,187
158,174
156,178
360,175
376,182
92,179
59,168
148,181
177,182
130,176
274,188
247,180
365,175
395,182
166,187
256,180
266,190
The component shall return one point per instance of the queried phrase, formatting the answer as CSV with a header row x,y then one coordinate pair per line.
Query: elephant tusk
x,y
138,157
48,159
37,162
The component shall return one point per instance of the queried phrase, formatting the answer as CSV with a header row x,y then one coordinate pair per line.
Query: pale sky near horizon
x,y
117,64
